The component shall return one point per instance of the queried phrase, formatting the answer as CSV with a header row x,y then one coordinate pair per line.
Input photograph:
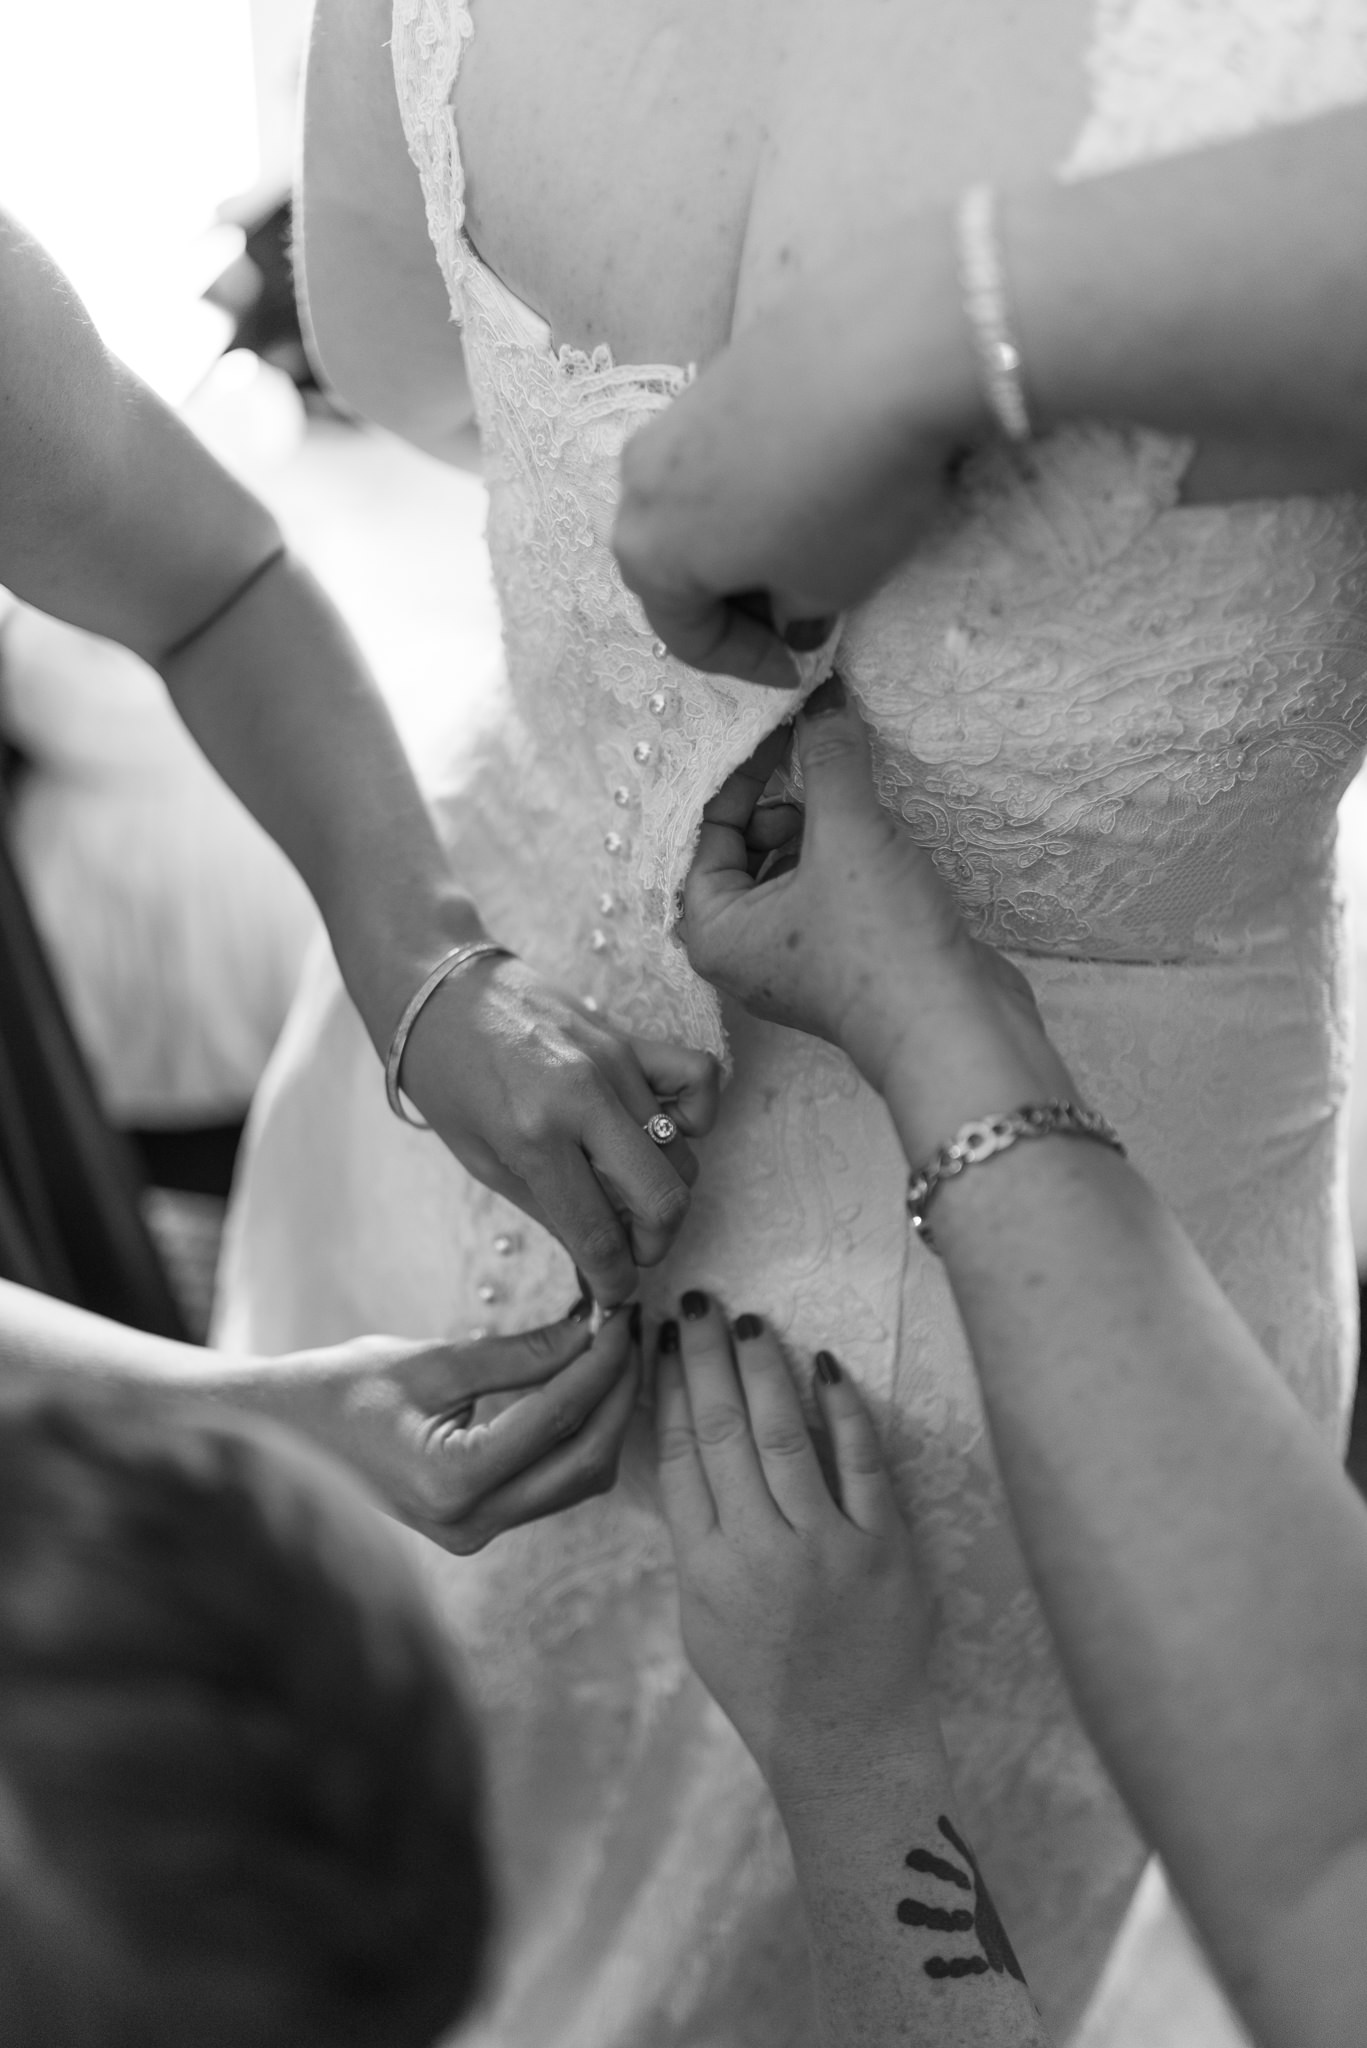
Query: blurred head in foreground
x,y
239,1790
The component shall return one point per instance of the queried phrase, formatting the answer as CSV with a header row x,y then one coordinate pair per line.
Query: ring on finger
x,y
661,1129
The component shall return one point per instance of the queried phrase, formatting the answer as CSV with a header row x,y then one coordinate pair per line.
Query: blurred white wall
x,y
123,126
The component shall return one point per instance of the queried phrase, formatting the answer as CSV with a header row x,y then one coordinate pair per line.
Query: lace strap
x,y
429,40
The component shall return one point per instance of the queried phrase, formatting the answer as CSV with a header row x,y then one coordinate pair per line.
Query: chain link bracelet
x,y
460,956
986,1136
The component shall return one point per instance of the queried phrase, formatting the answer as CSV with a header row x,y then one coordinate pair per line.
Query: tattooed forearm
x,y
993,1951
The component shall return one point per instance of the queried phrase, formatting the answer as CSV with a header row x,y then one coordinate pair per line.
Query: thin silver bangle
x,y
987,306
221,611
986,1136
459,956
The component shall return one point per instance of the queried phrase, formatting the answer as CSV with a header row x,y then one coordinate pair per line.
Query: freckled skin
x,y
647,172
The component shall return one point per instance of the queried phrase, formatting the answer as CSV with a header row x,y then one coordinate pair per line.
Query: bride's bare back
x,y
641,172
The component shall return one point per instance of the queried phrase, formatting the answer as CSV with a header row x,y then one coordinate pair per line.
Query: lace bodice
x,y
1074,690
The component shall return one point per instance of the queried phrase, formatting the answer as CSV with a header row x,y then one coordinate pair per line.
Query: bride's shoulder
x,y
377,305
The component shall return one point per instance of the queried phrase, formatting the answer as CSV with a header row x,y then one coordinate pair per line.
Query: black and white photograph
x,y
683,1153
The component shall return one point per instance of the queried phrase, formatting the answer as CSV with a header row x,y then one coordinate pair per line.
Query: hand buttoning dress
x,y
1123,725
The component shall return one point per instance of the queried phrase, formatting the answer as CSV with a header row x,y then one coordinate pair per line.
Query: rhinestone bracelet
x,y
460,956
987,307
986,1136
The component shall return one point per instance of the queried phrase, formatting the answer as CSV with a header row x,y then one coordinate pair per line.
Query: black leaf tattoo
x,y
981,1919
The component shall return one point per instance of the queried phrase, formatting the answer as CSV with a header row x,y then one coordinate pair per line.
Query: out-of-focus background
x,y
149,145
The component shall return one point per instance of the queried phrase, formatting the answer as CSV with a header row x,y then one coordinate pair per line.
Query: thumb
x,y
721,638
837,765
496,1364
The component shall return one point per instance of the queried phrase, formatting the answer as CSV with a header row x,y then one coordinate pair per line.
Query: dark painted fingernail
x,y
827,1368
748,1327
802,635
635,1324
695,1304
668,1342
826,697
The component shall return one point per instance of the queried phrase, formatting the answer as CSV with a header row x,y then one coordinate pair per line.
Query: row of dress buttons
x,y
505,1245
614,842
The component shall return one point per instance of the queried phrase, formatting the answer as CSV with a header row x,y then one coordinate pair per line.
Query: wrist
x,y
975,1048
383,972
821,1778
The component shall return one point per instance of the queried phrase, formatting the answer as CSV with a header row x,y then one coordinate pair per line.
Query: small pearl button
x,y
656,704
607,905
591,1005
621,796
598,941
642,752
487,1293
659,650
613,842
505,1245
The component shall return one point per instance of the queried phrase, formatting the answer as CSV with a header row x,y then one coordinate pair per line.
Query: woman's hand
x,y
548,1107
433,1430
809,457
800,1605
852,936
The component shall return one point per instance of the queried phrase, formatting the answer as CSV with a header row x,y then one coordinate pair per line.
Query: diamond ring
x,y
662,1129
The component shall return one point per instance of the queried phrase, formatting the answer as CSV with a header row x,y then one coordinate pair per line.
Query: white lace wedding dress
x,y
1123,725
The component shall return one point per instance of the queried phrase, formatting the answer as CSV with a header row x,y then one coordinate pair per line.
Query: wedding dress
x,y
1123,726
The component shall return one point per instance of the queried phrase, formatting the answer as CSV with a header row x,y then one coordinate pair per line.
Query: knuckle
x,y
784,1440
718,1423
862,1455
563,1418
601,1244
675,1443
534,1127
580,1078
821,745
667,1208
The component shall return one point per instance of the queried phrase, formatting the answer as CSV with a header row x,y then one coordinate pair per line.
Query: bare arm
x,y
376,303
1198,1550
1221,295
802,1614
402,1414
113,516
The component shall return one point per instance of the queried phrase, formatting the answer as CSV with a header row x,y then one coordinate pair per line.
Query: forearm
x,y
1221,295
49,1346
281,701
906,1947
1202,1561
